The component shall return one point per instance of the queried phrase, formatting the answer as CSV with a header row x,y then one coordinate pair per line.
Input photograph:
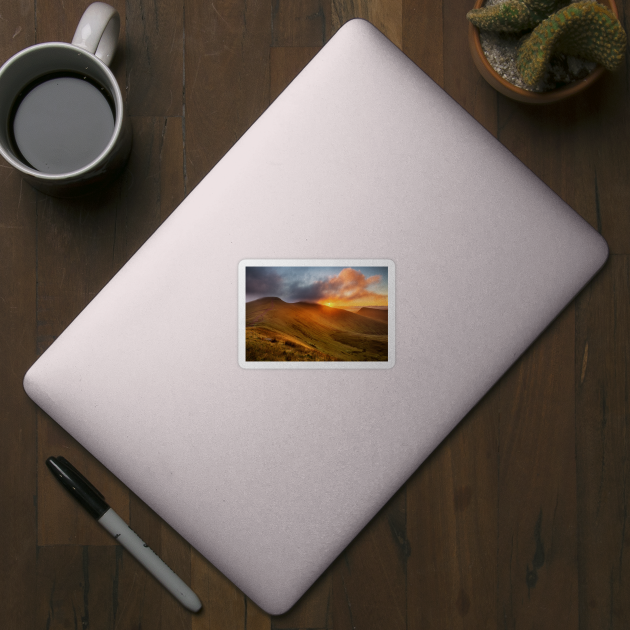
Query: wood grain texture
x,y
285,64
300,23
76,587
151,187
17,28
386,15
519,519
224,606
369,577
313,610
602,380
422,36
226,78
18,416
452,515
537,510
154,57
576,148
461,79
609,134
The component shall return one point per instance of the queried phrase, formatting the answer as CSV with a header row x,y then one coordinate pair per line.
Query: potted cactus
x,y
558,49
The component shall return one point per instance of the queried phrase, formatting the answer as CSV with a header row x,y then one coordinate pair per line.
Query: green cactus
x,y
513,16
584,29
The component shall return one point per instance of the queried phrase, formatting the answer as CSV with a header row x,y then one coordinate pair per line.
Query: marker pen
x,y
94,502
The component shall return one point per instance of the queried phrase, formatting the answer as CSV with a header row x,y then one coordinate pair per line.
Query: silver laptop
x,y
317,315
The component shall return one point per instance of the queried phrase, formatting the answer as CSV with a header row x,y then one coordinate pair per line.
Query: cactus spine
x,y
513,16
583,29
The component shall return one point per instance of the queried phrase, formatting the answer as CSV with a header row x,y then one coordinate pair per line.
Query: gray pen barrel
x,y
149,559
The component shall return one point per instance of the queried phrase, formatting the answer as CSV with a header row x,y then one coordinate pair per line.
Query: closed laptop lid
x,y
367,230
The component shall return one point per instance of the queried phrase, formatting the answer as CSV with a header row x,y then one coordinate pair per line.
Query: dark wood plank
x,y
18,422
461,78
74,248
224,606
603,443
313,609
76,587
558,147
285,64
176,552
537,537
154,57
300,23
564,148
171,159
570,146
17,28
452,527
422,36
369,577
226,78
152,185
255,618
608,126
57,22
18,415
386,15
575,149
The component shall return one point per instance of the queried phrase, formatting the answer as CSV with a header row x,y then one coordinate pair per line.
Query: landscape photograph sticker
x,y
299,314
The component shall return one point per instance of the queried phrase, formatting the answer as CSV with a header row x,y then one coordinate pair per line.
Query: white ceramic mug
x,y
88,57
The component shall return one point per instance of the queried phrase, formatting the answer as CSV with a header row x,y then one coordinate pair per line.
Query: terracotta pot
x,y
518,94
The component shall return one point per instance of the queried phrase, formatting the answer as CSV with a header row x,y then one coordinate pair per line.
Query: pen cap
x,y
78,486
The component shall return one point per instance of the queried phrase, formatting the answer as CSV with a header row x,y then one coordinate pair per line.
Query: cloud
x,y
263,281
349,285
293,284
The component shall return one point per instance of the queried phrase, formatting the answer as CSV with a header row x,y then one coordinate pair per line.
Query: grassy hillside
x,y
373,313
264,344
315,331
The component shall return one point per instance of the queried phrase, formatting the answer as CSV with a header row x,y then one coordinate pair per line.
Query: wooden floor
x,y
518,520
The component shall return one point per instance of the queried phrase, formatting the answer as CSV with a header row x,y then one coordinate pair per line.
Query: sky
x,y
338,287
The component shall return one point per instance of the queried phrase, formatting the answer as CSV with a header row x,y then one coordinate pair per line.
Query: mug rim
x,y
118,122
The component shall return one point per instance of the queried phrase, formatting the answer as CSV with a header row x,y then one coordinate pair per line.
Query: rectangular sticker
x,y
313,314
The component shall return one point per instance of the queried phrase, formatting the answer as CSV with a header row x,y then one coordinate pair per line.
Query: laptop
x,y
316,316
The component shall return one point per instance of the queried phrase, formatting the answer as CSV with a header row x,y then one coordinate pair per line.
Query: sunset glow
x,y
337,287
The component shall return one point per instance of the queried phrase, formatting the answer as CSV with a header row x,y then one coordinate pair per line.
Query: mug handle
x,y
98,30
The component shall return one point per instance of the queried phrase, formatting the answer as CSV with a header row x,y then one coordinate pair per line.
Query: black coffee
x,y
61,123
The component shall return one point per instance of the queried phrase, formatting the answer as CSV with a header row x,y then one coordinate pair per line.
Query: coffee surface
x,y
62,124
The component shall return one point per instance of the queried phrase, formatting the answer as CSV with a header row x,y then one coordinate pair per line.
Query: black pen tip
x,y
78,486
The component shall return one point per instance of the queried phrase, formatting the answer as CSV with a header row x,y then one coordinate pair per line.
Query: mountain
x,y
373,313
279,331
